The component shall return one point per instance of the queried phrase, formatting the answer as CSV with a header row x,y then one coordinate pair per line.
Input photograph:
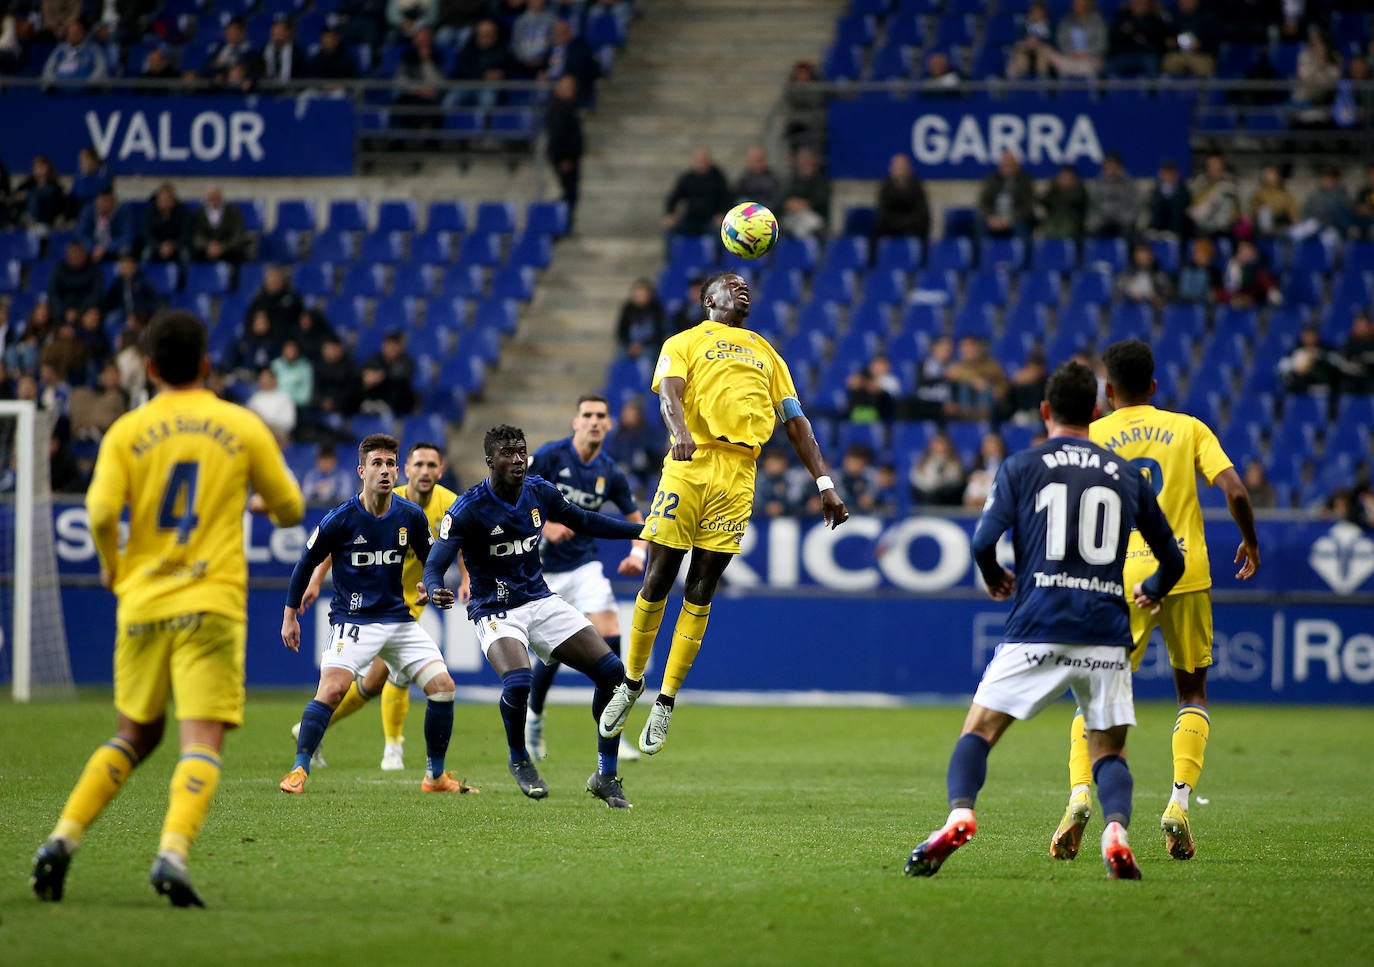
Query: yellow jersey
x,y
1170,450
440,500
736,383
183,464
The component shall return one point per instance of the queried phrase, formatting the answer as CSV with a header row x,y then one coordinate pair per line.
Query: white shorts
x,y
585,587
403,645
1022,679
541,625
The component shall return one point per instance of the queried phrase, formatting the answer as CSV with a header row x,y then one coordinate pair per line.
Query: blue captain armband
x,y
791,408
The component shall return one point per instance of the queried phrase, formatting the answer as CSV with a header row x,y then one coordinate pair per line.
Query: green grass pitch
x,y
760,835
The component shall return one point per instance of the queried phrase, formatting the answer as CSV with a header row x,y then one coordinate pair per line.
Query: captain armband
x,y
791,407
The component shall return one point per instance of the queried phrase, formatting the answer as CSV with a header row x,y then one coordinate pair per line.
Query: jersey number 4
x,y
177,509
1099,522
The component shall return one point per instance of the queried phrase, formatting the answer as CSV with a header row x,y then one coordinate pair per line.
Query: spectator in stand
x,y
1064,205
105,229
92,177
1080,41
418,79
458,18
338,387
777,490
1262,495
804,110
217,233
1250,21
166,227
76,284
688,312
871,393
978,380
76,60
233,51
1345,506
275,407
941,76
933,396
362,22
806,199
1143,281
636,446
278,299
388,378
332,61
1169,202
699,199
1192,41
1027,388
295,376
1319,70
310,331
643,324
887,493
282,59
531,37
1031,55
62,360
42,196
326,484
255,349
566,145
571,55
130,294
21,355
1247,282
992,450
1216,198
1006,201
11,48
1136,40
938,478
1362,219
95,341
1273,209
1358,351
405,17
1311,366
1327,208
857,479
1198,277
158,66
1113,201
903,210
759,183
94,408
483,58
132,363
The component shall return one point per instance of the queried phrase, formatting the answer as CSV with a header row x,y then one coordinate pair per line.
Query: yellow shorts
x,y
1186,621
198,658
704,502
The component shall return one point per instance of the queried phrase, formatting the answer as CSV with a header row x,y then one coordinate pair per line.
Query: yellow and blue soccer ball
x,y
749,230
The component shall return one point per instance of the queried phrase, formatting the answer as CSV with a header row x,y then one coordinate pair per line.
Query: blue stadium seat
x,y
898,253
497,315
842,63
1007,253
1011,348
1058,254
1090,286
860,220
1040,287
924,319
871,317
989,61
871,435
513,282
296,214
495,218
332,246
792,252
1001,30
1348,438
413,279
891,62
345,313
532,250
952,32
976,320
1233,321
446,216
19,245
988,287
967,437
846,252
381,246
911,436
1302,289
363,279
233,312
249,278
777,285
1106,252
547,218
446,313
1353,286
40,274
1078,328
477,249
397,311
951,253
1029,317
856,30
833,285
463,282
1129,320
314,279
693,251
164,276
9,276
513,125
1222,358
208,278
939,286
1166,253
348,215
431,248
280,245
960,222
886,286
254,213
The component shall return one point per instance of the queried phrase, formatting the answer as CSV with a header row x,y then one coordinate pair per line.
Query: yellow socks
x,y
104,775
353,700
648,615
395,708
1080,765
1191,729
687,635
192,788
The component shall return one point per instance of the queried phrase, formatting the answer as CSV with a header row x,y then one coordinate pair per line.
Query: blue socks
x,y
438,731
515,697
1114,789
607,674
539,688
968,770
614,642
314,720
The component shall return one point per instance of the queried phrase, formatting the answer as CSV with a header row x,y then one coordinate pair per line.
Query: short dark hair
x,y
377,441
1072,394
425,445
708,282
499,434
593,398
176,345
1130,367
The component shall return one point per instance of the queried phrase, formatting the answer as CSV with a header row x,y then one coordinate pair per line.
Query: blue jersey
x,y
500,542
1071,506
369,553
586,485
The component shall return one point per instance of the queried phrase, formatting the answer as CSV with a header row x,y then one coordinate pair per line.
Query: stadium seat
x,y
975,319
988,287
381,246
532,250
496,315
1129,320
1353,286
860,220
397,311
479,249
1057,254
332,246
1040,287
313,279
254,213
793,252
413,279
446,216
1233,321
296,215
431,248
463,282
886,286
937,287
1302,289
1166,253
398,215
208,278
9,275
777,285
363,279
1090,286
1012,347
1031,318
1109,253
513,281
924,319
960,222
1008,253
898,253
280,245
348,215
833,285
345,313
951,254
846,252
165,277
495,218
547,218
19,245
891,62
855,30
842,63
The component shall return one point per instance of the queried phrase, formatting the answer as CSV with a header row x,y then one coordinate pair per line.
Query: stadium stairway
x,y
694,72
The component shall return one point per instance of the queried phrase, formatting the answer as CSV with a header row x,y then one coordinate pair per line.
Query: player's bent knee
x,y
433,678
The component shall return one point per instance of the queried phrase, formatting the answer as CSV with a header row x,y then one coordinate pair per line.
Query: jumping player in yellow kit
x,y
722,390
1169,449
183,465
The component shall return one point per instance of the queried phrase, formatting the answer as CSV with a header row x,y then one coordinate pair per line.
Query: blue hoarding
x,y
962,137
185,135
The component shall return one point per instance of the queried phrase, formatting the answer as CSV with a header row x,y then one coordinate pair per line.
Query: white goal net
x,y
33,649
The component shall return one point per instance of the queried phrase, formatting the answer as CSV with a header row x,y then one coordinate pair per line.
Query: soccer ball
x,y
749,230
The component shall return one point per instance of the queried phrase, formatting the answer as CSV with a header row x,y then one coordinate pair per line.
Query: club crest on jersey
x,y
534,517
401,537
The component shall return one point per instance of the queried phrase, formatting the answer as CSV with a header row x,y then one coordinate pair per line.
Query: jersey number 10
x,y
1099,522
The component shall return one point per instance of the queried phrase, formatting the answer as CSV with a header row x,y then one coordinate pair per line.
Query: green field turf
x,y
761,835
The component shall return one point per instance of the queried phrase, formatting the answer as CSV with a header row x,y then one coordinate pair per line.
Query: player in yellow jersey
x,y
424,466
721,389
1169,449
183,465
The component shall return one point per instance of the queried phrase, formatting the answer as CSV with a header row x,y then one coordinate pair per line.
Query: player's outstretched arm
x,y
803,439
591,523
1243,513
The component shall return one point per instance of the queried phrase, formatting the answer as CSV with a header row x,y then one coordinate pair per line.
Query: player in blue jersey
x,y
368,537
586,475
1071,506
497,525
